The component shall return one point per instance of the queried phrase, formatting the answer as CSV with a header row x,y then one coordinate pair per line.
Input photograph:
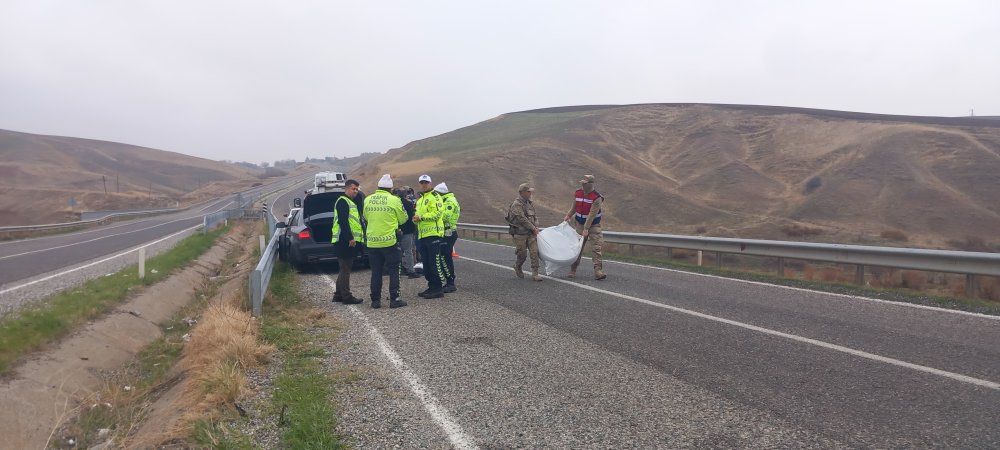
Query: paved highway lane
x,y
690,360
24,259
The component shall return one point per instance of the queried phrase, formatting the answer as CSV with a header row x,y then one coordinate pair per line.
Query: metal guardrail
x,y
968,263
210,221
242,202
261,275
14,230
260,278
94,215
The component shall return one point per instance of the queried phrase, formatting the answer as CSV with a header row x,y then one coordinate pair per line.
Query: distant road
x,y
23,259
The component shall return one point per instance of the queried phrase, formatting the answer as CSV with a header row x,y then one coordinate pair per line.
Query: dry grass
x,y
796,230
223,346
895,235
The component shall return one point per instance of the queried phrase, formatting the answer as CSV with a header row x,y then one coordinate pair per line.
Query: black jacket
x,y
408,227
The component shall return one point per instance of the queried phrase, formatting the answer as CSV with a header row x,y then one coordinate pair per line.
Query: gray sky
x,y
249,80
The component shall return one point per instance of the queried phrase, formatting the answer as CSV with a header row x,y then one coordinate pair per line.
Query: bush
x,y
913,279
813,184
970,244
895,235
796,230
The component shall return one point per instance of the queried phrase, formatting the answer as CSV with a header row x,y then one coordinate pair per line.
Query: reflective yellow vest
x,y
354,219
429,208
452,211
384,214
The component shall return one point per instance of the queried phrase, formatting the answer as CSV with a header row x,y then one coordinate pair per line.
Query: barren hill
x,y
39,174
727,170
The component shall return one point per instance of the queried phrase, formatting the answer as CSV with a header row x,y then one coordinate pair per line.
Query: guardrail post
x,y
971,286
262,245
718,259
670,253
256,296
699,258
781,267
631,249
859,275
204,226
142,262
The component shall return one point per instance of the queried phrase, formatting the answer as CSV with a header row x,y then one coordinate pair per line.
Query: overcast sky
x,y
264,80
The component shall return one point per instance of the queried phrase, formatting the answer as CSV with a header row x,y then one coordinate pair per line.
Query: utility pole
x,y
117,187
104,180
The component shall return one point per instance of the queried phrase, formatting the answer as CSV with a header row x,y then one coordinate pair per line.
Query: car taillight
x,y
304,234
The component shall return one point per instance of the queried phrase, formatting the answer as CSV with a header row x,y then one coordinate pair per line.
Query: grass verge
x,y
57,315
302,394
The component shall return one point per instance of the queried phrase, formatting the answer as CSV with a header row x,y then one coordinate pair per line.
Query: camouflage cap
x,y
525,187
587,179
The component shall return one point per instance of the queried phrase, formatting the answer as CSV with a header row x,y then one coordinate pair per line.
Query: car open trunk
x,y
317,212
320,227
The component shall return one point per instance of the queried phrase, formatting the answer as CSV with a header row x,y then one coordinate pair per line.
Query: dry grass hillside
x,y
39,174
729,170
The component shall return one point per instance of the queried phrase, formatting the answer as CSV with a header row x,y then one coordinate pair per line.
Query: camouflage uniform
x,y
523,228
591,222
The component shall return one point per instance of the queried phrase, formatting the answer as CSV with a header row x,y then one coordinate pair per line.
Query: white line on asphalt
x,y
437,411
839,348
95,262
760,283
16,241
92,240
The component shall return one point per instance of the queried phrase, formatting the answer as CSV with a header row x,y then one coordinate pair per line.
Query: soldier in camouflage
x,y
524,229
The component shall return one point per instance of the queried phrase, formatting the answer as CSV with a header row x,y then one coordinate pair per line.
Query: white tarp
x,y
558,246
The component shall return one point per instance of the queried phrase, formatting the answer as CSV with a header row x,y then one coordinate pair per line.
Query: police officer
x,y
347,235
430,231
586,214
384,213
524,229
451,212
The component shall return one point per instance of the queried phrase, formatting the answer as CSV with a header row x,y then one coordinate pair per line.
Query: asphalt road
x,y
27,258
658,358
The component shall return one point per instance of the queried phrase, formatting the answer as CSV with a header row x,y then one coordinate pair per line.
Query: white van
x,y
329,181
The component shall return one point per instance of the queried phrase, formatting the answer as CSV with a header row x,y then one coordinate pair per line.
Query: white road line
x,y
458,437
59,235
792,288
95,262
91,240
827,345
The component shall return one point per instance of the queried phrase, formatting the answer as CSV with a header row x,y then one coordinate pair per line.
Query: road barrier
x,y
970,264
7,233
261,275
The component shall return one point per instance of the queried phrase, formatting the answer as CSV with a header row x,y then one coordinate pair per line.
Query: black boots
x,y
397,303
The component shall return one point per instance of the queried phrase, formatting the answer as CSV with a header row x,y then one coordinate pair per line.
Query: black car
x,y
306,233
283,236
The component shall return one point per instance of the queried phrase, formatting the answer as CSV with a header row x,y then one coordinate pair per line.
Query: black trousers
x,y
447,248
380,259
430,255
